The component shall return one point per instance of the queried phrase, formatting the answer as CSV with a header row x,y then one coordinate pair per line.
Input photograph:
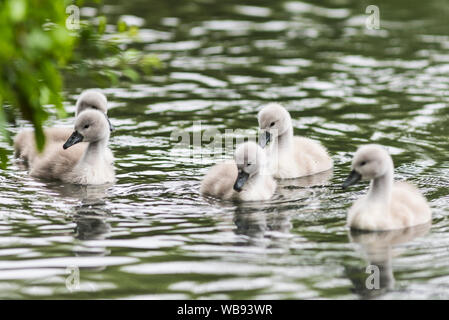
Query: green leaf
x,y
132,74
3,158
121,26
3,131
102,24
17,10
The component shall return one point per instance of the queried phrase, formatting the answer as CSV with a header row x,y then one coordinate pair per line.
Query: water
x,y
151,235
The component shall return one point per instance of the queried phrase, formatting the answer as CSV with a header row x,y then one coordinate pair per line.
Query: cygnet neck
x,y
95,150
285,140
381,187
258,175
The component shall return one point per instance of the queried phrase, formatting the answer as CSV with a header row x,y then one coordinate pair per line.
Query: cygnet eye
x,y
86,126
272,124
362,163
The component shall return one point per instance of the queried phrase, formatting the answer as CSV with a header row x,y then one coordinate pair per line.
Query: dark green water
x,y
152,235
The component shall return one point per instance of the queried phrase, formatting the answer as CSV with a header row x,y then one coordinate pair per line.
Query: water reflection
x,y
91,212
343,85
300,188
257,224
93,195
379,250
91,223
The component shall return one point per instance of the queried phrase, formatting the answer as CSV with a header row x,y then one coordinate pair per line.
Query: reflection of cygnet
x,y
388,205
79,163
304,187
289,156
375,243
88,195
243,179
24,142
379,249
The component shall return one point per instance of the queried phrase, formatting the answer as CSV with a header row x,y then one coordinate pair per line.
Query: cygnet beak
x,y
353,178
241,180
264,139
73,139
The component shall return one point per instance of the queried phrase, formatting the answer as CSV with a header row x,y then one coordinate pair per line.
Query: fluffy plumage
x,y
245,178
79,163
24,142
388,205
289,156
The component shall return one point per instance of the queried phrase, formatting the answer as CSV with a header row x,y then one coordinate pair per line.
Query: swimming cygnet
x,y
289,156
388,205
75,162
244,178
24,142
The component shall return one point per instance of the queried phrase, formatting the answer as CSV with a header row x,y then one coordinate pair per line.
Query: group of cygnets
x,y
82,156
79,156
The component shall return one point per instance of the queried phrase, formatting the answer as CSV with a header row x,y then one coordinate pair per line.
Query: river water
x,y
152,235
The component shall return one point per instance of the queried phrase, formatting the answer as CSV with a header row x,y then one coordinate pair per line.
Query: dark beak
x,y
264,139
73,139
111,127
241,179
353,178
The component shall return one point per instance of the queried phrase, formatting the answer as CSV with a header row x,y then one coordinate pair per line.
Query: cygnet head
x,y
249,158
92,99
370,162
90,126
274,120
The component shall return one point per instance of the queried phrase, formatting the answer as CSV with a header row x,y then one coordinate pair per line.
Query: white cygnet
x,y
24,142
245,178
91,99
388,205
289,156
75,162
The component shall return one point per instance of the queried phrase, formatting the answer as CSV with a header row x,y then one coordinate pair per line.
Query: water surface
x,y
151,235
